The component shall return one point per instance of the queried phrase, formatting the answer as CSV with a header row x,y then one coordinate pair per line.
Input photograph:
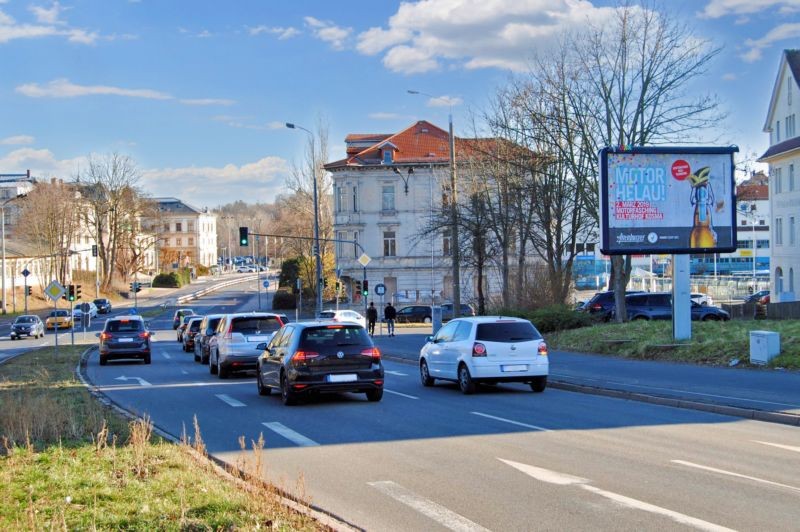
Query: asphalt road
x,y
503,459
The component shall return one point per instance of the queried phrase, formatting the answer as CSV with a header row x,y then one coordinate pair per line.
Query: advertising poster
x,y
672,200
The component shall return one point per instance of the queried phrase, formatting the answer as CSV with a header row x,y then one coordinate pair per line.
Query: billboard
x,y
670,199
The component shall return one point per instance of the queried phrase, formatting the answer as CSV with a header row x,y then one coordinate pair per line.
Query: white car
x,y
233,346
702,299
86,306
488,349
344,315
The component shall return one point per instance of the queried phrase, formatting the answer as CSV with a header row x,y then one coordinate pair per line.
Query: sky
x,y
198,92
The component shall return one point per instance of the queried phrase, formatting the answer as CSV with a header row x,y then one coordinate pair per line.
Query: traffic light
x,y
243,237
366,288
325,282
71,292
338,286
27,290
94,250
136,287
77,292
357,287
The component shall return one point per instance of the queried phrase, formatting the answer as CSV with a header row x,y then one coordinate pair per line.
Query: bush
x,y
201,270
551,319
284,300
166,280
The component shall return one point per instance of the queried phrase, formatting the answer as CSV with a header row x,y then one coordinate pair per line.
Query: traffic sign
x,y
380,289
266,284
25,272
54,290
364,259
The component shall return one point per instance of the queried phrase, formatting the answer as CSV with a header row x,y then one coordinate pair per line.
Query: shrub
x,y
552,318
201,270
284,300
166,280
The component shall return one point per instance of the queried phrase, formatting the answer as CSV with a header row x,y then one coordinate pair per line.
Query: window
x,y
387,156
791,177
791,230
777,131
178,227
389,244
791,279
446,245
178,241
778,181
190,226
463,332
762,244
744,244
778,231
387,195
166,227
340,235
789,89
778,280
355,244
355,199
341,198
191,241
790,126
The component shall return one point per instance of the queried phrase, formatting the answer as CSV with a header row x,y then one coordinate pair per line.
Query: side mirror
x,y
262,346
97,335
429,339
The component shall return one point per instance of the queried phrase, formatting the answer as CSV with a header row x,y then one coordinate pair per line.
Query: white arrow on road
x,y
140,380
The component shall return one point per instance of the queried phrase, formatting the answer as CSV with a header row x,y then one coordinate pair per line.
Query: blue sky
x,y
197,91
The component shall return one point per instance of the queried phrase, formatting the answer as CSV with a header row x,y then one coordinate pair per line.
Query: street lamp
x,y
317,256
3,233
454,248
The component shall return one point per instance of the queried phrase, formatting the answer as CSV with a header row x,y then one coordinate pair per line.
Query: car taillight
x,y
478,350
302,357
596,306
373,352
144,335
229,334
542,349
105,336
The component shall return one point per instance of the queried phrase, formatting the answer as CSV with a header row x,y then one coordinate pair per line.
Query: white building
x,y
783,157
186,235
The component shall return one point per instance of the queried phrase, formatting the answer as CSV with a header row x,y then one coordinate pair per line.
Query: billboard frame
x,y
678,151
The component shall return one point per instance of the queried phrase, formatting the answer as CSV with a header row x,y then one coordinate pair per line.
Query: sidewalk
x,y
762,394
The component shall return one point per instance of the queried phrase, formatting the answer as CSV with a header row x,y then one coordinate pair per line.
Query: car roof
x,y
250,314
491,319
126,317
28,316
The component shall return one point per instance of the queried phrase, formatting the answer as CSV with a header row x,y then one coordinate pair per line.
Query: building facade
x,y
185,235
783,157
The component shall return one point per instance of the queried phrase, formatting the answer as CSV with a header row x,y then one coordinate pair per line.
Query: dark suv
x,y
310,358
124,337
658,306
414,314
103,305
447,311
601,305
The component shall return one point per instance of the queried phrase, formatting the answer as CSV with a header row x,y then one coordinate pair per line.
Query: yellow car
x,y
61,318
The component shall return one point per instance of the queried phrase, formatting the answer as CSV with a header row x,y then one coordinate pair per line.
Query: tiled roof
x,y
360,137
176,206
752,192
781,147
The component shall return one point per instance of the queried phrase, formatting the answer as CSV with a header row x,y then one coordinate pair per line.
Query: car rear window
x,y
256,324
510,331
334,335
125,326
195,325
327,315
212,323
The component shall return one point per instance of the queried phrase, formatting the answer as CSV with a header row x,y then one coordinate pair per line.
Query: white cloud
x,y
41,163
722,8
5,20
779,33
281,33
64,88
445,101
17,140
48,15
328,32
49,25
730,76
204,34
385,116
211,186
434,34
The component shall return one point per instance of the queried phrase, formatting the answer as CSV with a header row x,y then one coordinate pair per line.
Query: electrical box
x,y
764,346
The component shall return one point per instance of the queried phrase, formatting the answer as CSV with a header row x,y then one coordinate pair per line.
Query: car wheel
x,y
539,384
710,317
203,360
374,396
103,360
426,319
147,358
637,318
465,381
212,367
262,390
424,374
222,371
196,356
287,396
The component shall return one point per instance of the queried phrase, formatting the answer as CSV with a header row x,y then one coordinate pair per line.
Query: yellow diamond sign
x,y
54,290
364,259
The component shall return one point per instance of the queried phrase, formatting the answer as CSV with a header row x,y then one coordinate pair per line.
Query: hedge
x,y
552,318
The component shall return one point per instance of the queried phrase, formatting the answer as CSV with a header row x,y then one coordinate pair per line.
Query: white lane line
x,y
400,394
289,434
398,373
165,355
779,446
437,512
230,400
563,479
733,474
511,421
184,372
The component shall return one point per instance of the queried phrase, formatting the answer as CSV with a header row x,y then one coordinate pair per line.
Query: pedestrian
x,y
390,314
372,317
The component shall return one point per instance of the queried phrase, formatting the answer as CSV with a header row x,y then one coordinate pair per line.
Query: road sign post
x,y
54,291
380,289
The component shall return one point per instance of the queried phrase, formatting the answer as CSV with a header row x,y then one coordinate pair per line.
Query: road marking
x,y
140,380
184,372
437,512
230,400
400,394
563,479
779,446
165,355
398,373
732,474
511,421
289,434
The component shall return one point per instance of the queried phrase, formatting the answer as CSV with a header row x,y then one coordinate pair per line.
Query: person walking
x,y
372,317
390,314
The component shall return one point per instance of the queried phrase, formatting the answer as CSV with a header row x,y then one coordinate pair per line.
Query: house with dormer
x,y
783,158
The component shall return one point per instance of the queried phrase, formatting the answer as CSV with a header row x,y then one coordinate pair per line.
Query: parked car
x,y
27,325
245,269
344,315
658,306
447,311
755,298
84,307
103,305
179,314
123,338
61,318
414,314
208,328
190,333
487,349
601,305
313,357
702,299
232,348
182,327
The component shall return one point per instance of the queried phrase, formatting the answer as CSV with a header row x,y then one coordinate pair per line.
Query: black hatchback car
x,y
124,337
320,357
601,305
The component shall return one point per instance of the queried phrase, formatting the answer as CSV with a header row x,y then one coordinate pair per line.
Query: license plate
x,y
350,377
124,340
516,367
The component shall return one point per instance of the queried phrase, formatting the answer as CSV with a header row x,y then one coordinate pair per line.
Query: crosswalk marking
x,y
230,400
289,434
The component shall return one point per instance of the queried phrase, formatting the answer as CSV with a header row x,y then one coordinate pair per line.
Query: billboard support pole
x,y
681,299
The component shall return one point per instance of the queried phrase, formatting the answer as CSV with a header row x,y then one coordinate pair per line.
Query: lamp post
x,y
454,248
317,256
3,237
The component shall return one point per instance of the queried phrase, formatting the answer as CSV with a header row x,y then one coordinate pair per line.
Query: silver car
x,y
27,326
233,347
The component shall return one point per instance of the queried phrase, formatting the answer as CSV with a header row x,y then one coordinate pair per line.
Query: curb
x,y
725,410
318,514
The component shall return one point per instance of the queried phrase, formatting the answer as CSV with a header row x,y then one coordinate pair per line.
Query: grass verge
x,y
67,462
712,343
